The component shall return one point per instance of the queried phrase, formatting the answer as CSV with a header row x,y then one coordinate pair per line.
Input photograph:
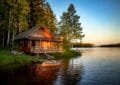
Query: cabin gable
x,y
42,33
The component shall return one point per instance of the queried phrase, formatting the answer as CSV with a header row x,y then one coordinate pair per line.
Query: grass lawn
x,y
8,58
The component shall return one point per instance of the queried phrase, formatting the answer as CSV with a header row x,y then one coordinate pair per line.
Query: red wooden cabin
x,y
39,40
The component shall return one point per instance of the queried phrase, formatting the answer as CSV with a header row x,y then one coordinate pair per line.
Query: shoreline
x,y
6,57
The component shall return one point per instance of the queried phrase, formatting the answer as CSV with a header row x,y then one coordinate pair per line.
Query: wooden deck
x,y
38,50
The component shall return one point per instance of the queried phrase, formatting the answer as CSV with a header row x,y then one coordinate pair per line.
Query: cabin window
x,y
33,43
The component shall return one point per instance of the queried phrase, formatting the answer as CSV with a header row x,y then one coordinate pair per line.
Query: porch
x,y
37,50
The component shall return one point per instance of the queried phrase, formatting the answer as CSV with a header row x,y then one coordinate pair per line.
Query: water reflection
x,y
43,75
101,66
14,75
68,73
96,66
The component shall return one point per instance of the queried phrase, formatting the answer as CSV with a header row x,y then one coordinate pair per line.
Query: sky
x,y
100,18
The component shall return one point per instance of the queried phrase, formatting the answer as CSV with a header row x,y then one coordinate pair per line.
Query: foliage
x,y
70,27
41,14
66,54
13,19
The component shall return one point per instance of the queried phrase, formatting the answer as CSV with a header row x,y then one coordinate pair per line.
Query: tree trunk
x,y
3,41
8,34
8,37
13,37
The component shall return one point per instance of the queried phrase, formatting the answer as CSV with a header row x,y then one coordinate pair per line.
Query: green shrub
x,y
66,54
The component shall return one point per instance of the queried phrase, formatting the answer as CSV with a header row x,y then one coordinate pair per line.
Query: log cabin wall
x,y
46,45
25,45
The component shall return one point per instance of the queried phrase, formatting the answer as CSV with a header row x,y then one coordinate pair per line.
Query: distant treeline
x,y
111,45
82,45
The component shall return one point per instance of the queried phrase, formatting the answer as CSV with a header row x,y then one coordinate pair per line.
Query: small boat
x,y
51,63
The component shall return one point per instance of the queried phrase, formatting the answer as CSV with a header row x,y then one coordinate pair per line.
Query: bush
x,y
66,54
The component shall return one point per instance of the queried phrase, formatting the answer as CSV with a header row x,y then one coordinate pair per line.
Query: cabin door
x,y
33,44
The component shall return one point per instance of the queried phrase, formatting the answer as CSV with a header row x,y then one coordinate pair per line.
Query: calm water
x,y
96,66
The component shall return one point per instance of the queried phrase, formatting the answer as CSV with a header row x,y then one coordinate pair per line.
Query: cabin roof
x,y
45,39
26,35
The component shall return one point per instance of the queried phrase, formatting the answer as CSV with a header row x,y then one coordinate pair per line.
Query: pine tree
x,y
50,18
36,13
41,14
70,27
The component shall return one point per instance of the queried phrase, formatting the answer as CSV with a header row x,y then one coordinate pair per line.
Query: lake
x,y
96,66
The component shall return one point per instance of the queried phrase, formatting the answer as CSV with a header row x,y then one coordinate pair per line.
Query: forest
x,y
17,16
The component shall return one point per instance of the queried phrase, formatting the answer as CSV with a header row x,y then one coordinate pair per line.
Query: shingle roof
x,y
45,39
26,34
